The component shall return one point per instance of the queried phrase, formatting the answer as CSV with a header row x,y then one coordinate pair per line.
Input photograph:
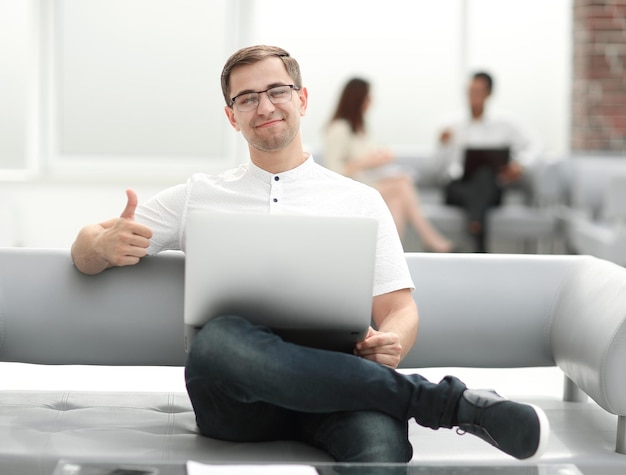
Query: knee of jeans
x,y
375,438
213,340
387,446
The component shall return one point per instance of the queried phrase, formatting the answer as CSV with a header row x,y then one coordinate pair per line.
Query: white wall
x,y
527,45
50,214
101,95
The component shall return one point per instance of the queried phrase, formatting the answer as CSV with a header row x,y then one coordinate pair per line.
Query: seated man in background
x,y
245,382
485,187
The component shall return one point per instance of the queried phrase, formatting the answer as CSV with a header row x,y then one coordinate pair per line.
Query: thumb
x,y
131,205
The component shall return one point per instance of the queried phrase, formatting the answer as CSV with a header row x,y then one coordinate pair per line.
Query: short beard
x,y
273,144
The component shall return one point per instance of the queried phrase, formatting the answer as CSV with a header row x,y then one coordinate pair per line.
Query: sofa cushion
x,y
39,427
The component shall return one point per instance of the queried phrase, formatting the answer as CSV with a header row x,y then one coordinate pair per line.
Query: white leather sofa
x,y
523,223
483,311
594,221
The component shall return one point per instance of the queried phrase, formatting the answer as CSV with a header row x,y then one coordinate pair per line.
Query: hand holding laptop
x,y
381,347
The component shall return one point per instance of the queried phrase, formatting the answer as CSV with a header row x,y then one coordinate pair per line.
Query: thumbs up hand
x,y
124,241
116,242
131,205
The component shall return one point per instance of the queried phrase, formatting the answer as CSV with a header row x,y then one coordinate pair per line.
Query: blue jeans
x,y
247,384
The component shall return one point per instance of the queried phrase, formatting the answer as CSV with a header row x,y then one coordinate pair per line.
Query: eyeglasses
x,y
249,101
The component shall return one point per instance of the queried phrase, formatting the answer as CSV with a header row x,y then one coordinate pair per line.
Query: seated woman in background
x,y
349,151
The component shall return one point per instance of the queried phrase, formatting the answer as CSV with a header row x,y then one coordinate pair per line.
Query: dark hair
x,y
254,54
485,77
350,106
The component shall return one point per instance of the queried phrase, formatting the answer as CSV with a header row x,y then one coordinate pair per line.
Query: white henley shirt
x,y
309,189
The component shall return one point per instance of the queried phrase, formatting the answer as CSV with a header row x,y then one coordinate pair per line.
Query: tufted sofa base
x,y
158,428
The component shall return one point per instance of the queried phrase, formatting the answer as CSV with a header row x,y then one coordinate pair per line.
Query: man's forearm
x,y
396,312
84,254
403,324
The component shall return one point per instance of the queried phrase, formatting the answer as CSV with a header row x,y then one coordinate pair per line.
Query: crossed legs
x,y
247,384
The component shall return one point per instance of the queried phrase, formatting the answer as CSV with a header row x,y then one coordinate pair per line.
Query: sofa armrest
x,y
588,335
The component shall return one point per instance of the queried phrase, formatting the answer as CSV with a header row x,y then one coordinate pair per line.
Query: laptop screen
x,y
476,158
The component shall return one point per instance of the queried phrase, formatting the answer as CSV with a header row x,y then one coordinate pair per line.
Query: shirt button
x,y
276,178
275,200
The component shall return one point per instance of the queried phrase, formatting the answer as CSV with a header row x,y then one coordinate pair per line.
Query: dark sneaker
x,y
520,430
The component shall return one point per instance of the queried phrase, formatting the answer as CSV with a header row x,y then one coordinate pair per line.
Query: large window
x,y
18,76
134,85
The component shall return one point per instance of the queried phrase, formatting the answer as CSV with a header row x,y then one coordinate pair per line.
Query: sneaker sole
x,y
544,433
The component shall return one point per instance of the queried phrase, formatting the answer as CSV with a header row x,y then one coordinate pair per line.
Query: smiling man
x,y
267,125
244,381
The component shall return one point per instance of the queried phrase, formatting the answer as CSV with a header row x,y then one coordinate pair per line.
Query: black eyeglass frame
x,y
293,87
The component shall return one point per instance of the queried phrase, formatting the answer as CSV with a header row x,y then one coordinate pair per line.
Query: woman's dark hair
x,y
350,106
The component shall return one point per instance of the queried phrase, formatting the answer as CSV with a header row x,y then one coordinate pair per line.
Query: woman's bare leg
x,y
403,202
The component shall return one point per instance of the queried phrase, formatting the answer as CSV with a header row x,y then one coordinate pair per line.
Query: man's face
x,y
270,127
478,92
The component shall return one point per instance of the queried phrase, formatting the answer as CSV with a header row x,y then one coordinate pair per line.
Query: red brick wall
x,y
599,75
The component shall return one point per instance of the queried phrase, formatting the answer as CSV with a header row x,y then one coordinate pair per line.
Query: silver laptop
x,y
309,278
